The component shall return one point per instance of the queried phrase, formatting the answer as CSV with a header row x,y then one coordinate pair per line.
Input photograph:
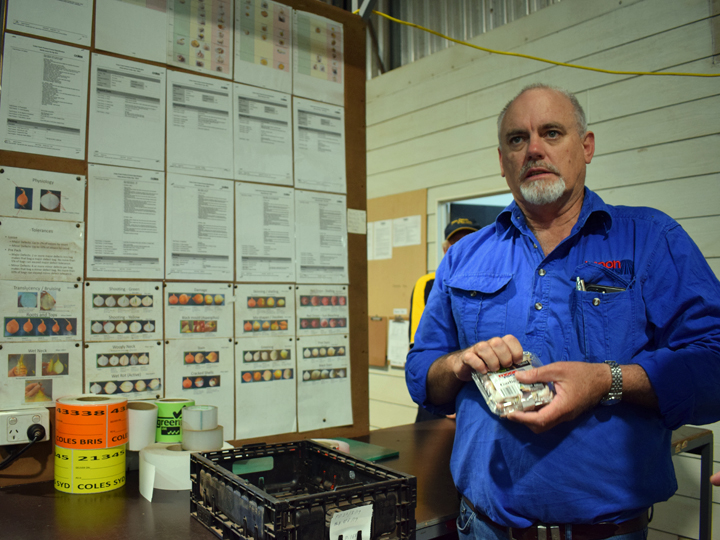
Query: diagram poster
x,y
196,310
41,311
123,311
203,370
200,36
33,374
28,193
323,382
133,370
263,44
318,63
265,372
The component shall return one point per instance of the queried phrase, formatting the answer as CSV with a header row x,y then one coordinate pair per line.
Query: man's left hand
x,y
578,387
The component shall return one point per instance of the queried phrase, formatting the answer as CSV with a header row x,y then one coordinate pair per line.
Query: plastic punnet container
x,y
504,394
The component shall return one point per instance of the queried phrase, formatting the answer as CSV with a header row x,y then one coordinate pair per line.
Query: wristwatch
x,y
614,396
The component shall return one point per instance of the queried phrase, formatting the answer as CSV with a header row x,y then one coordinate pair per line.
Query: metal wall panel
x,y
459,19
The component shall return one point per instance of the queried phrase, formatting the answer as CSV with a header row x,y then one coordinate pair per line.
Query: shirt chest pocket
x,y
605,324
480,305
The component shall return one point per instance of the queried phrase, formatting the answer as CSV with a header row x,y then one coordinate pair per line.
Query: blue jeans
x,y
469,527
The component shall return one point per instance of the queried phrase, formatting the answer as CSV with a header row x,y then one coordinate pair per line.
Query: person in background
x,y
715,479
621,308
456,229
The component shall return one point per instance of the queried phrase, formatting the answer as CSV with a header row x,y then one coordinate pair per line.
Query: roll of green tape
x,y
169,419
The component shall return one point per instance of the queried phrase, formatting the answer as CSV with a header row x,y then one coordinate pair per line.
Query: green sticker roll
x,y
169,419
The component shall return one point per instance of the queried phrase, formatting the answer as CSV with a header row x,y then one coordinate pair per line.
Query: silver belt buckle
x,y
542,532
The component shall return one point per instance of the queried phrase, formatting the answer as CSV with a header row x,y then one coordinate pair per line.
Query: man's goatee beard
x,y
541,192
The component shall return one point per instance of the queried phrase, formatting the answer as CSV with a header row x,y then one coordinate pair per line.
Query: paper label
x,y
89,471
91,426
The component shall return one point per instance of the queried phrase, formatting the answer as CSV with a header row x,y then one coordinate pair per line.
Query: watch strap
x,y
615,394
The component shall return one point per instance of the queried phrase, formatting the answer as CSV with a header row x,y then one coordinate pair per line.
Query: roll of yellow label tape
x,y
89,471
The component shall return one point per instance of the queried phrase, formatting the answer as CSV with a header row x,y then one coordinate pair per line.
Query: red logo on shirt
x,y
609,264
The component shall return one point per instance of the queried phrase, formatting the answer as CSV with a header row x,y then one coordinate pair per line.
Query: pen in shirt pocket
x,y
580,285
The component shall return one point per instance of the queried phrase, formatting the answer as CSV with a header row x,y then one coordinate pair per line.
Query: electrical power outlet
x,y
14,425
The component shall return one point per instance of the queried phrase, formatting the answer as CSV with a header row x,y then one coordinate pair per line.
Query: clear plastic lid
x,y
504,394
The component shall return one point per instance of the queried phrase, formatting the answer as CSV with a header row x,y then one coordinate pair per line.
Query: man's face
x,y
542,155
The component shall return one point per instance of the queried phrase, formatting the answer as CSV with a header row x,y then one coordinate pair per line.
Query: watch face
x,y
610,401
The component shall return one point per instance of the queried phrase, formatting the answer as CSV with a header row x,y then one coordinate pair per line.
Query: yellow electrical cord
x,y
538,59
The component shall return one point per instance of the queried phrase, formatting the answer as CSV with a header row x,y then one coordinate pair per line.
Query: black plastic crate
x,y
290,491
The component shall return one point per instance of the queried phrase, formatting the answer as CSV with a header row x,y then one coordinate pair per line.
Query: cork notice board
x,y
391,281
37,464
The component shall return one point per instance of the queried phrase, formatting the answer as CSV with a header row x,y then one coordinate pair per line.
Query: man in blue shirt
x,y
620,307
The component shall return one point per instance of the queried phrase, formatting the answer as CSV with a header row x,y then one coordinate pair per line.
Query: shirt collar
x,y
593,207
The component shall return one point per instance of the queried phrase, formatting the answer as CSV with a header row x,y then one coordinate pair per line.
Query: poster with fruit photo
x,y
35,374
264,310
40,311
130,369
265,370
29,193
203,370
123,310
322,310
195,310
323,382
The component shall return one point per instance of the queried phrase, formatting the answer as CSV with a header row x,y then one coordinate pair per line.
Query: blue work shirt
x,y
610,463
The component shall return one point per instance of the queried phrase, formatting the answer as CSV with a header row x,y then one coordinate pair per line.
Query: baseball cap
x,y
460,224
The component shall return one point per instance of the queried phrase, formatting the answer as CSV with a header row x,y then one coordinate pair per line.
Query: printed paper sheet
x,y
199,126
126,228
318,61
38,249
264,309
143,28
203,370
40,311
199,225
123,310
54,19
263,136
263,38
319,142
133,370
322,309
265,232
28,193
44,98
127,113
323,379
195,310
265,381
200,36
35,374
321,238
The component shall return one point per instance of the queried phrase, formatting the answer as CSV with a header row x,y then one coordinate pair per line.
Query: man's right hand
x,y
448,373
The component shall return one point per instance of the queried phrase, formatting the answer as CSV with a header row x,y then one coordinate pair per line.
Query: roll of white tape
x,y
165,466
202,441
142,424
170,466
200,417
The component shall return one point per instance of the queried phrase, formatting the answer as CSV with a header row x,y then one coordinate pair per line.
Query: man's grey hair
x,y
580,118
